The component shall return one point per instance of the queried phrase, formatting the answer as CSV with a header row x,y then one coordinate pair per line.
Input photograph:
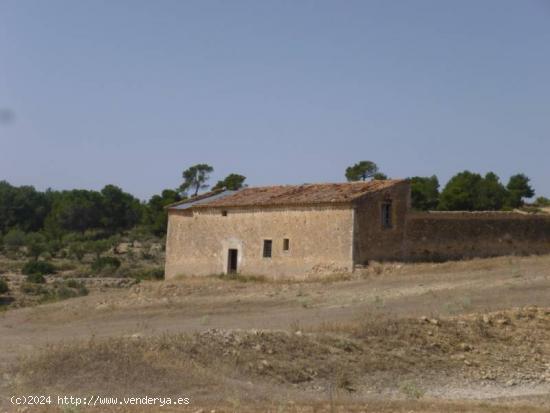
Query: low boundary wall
x,y
440,236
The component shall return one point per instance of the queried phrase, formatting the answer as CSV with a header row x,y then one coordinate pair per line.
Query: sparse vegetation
x,y
347,346
38,268
542,201
243,278
56,291
385,349
3,286
77,250
382,347
36,278
14,239
155,273
36,244
105,264
411,389
137,256
66,289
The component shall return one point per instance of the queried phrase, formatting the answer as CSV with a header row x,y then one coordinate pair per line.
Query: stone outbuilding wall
x,y
440,236
372,239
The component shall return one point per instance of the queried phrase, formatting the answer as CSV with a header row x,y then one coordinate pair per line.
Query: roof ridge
x,y
327,183
303,194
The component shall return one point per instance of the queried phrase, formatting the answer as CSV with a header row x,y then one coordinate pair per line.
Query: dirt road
x,y
191,305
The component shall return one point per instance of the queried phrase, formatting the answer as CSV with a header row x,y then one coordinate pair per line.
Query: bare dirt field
x,y
470,336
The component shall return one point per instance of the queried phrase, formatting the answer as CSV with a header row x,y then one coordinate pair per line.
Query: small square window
x,y
224,213
286,244
386,215
267,248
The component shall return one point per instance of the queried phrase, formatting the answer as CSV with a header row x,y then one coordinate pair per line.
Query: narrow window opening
x,y
286,244
224,213
267,248
387,215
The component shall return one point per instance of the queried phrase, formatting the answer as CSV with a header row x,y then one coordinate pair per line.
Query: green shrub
x,y
411,389
73,237
59,290
103,264
36,278
98,247
77,250
64,291
139,233
66,265
157,273
36,244
242,278
38,267
67,289
53,246
530,209
542,201
140,274
33,288
3,286
14,239
73,283
147,256
78,286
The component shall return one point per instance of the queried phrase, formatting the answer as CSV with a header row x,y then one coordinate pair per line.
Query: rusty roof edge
x,y
194,198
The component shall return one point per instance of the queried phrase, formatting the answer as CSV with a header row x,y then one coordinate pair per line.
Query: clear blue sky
x,y
132,92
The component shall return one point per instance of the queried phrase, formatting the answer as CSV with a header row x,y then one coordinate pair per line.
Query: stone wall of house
x,y
372,240
320,241
439,236
325,240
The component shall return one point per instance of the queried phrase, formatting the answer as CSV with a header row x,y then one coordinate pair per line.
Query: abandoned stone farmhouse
x,y
300,230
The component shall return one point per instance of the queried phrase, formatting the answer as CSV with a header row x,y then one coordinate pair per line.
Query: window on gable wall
x,y
386,214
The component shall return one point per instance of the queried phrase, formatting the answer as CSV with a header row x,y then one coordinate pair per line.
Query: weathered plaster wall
x,y
371,240
439,236
320,241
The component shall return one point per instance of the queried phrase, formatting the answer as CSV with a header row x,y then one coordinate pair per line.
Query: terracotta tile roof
x,y
307,194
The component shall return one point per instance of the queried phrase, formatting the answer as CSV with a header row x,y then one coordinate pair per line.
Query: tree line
x,y
465,191
56,215
110,210
84,219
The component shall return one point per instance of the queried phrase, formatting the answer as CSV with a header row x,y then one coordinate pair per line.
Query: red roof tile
x,y
307,194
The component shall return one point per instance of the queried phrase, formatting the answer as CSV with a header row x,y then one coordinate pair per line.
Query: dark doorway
x,y
232,256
